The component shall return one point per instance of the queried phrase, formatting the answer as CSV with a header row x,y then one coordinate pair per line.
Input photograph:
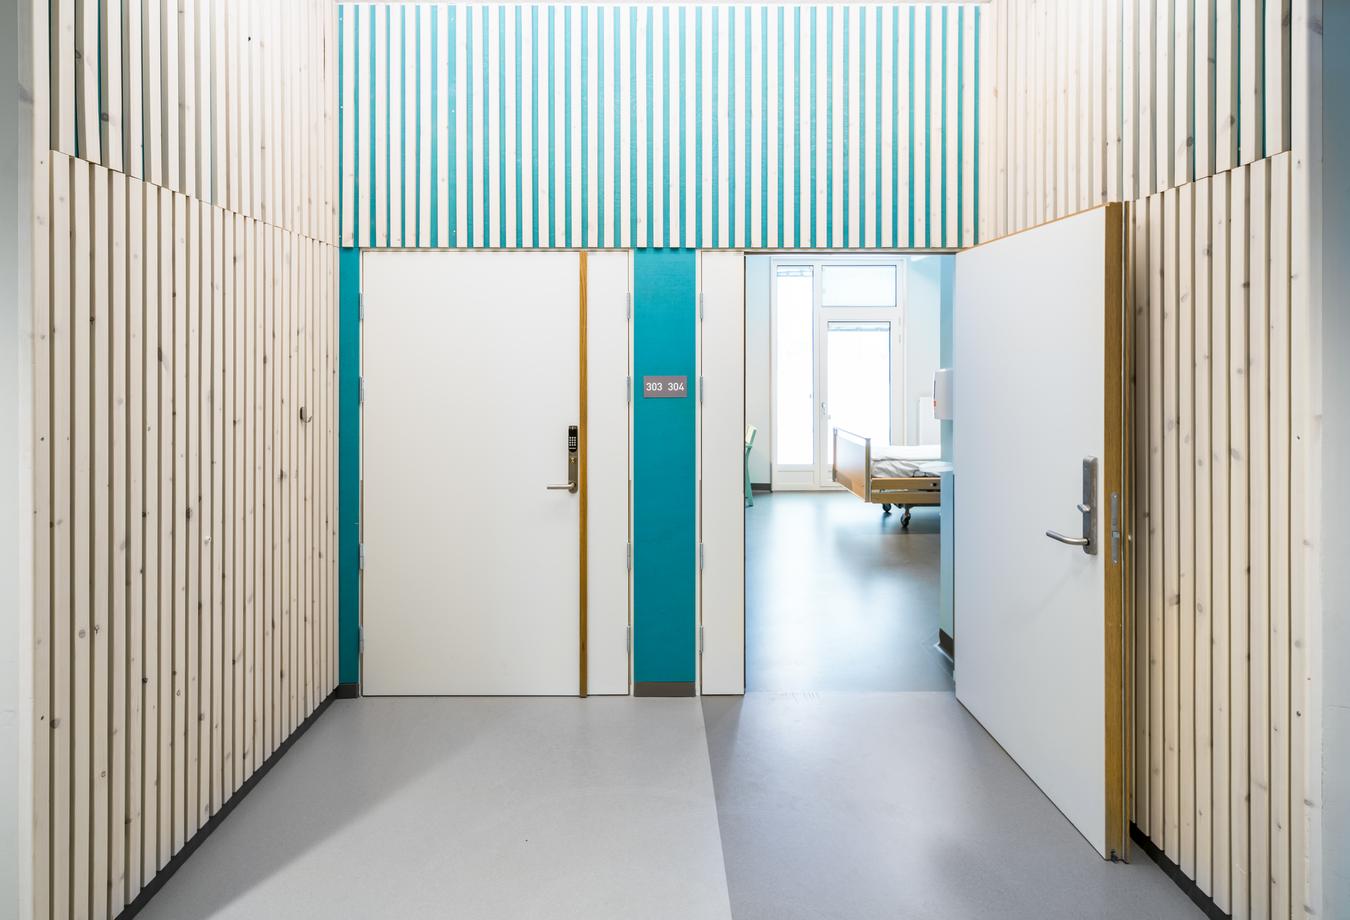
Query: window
x,y
858,286
794,367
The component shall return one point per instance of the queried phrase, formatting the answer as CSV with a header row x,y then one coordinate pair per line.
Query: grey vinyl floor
x,y
848,783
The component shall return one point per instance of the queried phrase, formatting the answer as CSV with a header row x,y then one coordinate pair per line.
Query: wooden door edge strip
x,y
1113,483
582,460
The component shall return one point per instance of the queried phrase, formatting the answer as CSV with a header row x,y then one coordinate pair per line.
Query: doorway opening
x,y
842,589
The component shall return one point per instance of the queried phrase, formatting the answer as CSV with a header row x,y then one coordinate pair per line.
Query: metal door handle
x,y
1088,541
573,458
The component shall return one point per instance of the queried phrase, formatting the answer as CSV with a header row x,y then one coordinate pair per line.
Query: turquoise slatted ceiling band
x,y
711,125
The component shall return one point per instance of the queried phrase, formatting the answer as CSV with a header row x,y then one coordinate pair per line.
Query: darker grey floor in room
x,y
840,597
850,783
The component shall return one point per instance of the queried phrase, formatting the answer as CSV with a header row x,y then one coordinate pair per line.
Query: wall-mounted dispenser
x,y
943,392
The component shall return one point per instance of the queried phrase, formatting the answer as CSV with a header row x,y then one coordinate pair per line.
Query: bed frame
x,y
853,470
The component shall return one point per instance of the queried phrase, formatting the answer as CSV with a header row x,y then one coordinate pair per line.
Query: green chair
x,y
750,433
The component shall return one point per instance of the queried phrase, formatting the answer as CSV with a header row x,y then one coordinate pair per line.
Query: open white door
x,y
1038,438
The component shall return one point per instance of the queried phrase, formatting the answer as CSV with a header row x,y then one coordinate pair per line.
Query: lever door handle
x,y
1071,541
562,487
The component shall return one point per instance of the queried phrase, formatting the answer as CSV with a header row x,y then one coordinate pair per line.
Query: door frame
x,y
789,256
583,397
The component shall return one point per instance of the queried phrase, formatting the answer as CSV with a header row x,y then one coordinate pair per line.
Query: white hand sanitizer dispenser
x,y
943,391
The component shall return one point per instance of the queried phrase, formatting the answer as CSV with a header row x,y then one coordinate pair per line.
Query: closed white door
x,y
471,374
1039,389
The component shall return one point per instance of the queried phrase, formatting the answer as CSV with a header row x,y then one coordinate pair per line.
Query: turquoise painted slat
x,y
585,134
435,134
567,126
502,164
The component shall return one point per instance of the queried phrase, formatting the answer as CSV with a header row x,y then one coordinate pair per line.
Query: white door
x,y
471,378
721,432
1038,358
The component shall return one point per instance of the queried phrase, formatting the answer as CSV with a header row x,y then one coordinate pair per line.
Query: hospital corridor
x,y
674,460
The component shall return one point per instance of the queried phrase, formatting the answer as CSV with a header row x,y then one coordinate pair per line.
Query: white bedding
x,y
896,462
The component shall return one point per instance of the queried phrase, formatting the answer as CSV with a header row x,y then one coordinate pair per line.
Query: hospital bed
x,y
906,477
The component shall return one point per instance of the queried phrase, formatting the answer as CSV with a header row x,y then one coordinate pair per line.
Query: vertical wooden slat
x,y
151,94
1238,550
82,507
1171,529
1226,84
149,428
44,512
182,530
1202,254
1203,77
1183,105
1282,902
1140,248
213,635
86,74
1258,383
99,677
170,506
119,574
1187,648
1220,457
135,566
1156,521
66,192
1251,50
197,611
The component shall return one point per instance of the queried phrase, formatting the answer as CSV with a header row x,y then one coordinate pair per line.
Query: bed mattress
x,y
900,462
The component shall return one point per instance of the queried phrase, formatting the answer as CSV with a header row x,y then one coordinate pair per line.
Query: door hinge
x,y
700,390
628,306
361,390
700,640
629,557
628,389
628,639
361,557
700,307
360,306
700,557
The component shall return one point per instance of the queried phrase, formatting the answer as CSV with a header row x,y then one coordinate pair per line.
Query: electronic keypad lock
x,y
573,462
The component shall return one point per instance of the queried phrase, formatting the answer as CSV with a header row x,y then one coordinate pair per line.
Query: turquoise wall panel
x,y
664,470
349,466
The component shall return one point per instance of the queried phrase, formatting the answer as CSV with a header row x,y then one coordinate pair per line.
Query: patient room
x,y
848,473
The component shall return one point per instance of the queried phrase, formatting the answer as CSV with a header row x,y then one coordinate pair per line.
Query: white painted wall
x,y
923,337
758,370
16,537
1335,489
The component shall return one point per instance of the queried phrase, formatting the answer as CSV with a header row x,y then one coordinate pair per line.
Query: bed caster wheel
x,y
904,520
885,508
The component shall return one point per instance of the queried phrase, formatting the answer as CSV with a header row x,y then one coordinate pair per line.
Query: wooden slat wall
x,y
1090,101
169,339
220,100
185,512
1218,727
